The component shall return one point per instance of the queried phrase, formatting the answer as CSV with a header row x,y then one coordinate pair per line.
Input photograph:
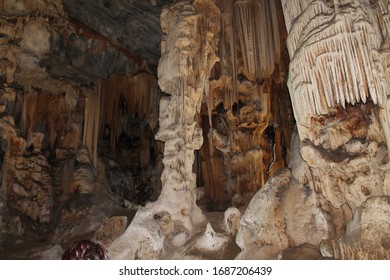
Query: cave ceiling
x,y
133,26
87,40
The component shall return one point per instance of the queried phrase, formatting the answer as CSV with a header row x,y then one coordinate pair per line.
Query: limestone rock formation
x,y
133,25
28,186
289,213
367,235
114,228
338,87
189,42
325,44
232,217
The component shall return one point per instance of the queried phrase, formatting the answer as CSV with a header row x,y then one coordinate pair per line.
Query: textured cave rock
x,y
82,41
55,189
248,138
184,81
334,53
289,213
367,233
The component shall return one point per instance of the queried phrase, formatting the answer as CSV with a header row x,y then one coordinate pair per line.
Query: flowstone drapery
x,y
246,136
335,55
339,56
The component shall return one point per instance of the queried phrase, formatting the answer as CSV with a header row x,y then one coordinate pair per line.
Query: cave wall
x,y
68,95
128,122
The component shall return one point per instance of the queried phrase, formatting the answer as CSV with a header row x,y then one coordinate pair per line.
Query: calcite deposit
x,y
189,41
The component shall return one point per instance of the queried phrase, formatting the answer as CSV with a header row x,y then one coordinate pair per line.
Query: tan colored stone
x,y
232,218
28,185
111,230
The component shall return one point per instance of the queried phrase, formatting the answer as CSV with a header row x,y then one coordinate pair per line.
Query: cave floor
x,y
43,247
27,248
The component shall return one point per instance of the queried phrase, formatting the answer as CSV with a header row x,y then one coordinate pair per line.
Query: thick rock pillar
x,y
187,56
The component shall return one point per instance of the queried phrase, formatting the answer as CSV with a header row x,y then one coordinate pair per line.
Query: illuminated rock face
x,y
339,57
188,55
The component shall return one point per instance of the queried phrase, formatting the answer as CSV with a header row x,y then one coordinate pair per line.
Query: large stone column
x,y
338,53
187,56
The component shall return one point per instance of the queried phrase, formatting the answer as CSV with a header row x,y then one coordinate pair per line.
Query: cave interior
x,y
204,129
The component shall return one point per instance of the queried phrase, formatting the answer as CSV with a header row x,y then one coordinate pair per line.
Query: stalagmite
x,y
211,240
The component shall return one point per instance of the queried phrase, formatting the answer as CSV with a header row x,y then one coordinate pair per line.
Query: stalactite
x,y
258,29
43,112
239,97
91,121
335,57
228,52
